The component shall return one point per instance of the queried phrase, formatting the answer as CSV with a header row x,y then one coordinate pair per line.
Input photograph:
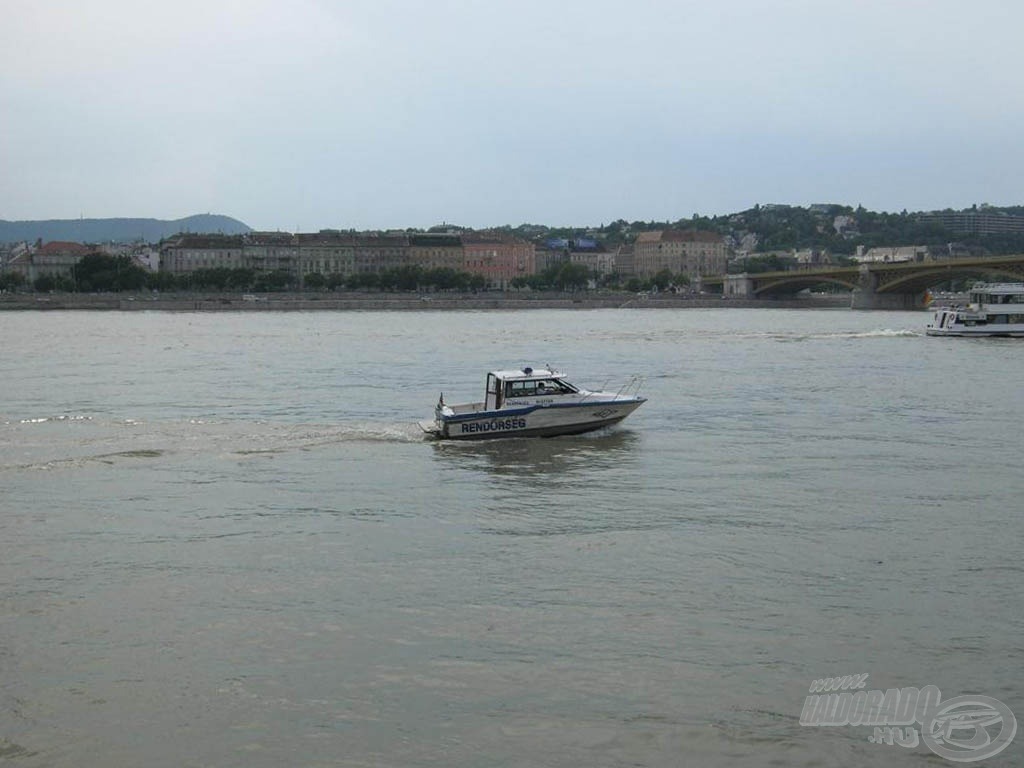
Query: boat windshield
x,y
538,387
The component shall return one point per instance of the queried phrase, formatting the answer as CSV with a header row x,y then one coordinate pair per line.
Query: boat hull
x,y
537,421
976,332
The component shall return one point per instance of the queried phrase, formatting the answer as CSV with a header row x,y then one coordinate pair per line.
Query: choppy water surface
x,y
223,541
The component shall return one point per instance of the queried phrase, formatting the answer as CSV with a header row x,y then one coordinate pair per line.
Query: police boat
x,y
532,402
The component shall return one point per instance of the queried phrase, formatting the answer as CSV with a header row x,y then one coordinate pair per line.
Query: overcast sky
x,y
309,114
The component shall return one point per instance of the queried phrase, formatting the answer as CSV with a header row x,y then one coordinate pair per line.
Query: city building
x,y
271,252
811,257
498,257
976,222
891,254
625,266
845,226
52,259
188,253
553,252
594,256
9,252
436,251
689,252
327,252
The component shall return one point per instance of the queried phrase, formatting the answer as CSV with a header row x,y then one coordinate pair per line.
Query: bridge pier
x,y
894,301
738,285
867,296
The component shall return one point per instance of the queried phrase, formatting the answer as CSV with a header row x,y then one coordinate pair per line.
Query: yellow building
x,y
690,252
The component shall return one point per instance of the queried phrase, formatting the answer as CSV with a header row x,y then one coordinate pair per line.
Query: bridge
x,y
874,286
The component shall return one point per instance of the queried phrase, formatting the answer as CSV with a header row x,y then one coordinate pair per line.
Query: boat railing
x,y
632,387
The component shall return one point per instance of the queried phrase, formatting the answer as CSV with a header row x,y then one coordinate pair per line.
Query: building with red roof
x,y
54,258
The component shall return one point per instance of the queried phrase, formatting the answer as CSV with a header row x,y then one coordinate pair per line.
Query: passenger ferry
x,y
532,403
995,309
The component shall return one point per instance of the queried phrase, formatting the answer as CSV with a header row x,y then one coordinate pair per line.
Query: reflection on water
x,y
551,460
534,486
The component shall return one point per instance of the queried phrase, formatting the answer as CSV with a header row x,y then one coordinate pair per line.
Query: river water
x,y
224,542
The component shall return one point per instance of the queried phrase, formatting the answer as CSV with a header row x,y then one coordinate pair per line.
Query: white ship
x,y
532,403
995,309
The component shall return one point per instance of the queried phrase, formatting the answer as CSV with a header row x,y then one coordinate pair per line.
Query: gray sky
x,y
307,114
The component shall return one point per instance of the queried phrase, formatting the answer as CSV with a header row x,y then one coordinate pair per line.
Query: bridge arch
x,y
796,282
921,280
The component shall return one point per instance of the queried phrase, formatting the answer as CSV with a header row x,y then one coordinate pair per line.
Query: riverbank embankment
x,y
299,302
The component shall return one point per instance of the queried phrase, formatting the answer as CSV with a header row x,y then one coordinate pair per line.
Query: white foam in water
x,y
63,417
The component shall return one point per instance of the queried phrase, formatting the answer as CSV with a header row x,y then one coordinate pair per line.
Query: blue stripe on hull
x,y
977,334
505,413
554,431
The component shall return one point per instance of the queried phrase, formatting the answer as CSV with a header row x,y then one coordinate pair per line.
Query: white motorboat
x,y
995,309
532,403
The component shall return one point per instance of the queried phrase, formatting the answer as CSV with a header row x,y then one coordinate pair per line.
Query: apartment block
x,y
976,222
690,252
497,256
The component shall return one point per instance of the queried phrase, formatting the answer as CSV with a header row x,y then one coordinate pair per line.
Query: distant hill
x,y
117,230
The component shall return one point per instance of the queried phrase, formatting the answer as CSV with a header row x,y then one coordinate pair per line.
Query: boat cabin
x,y
525,387
997,293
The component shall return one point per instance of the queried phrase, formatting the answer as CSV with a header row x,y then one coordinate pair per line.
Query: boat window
x,y
561,387
520,389
538,387
554,387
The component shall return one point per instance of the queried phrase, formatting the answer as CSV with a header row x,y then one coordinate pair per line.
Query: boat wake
x,y
733,335
67,442
286,438
881,333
